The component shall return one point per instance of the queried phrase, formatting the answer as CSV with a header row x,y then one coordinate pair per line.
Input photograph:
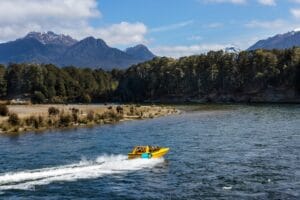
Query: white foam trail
x,y
103,165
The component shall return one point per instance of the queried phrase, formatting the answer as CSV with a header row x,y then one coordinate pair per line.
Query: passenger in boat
x,y
154,148
140,150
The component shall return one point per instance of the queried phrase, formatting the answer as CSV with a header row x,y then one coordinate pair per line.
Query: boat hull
x,y
160,153
156,154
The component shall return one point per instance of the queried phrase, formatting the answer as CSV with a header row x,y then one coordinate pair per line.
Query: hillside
x,y
280,41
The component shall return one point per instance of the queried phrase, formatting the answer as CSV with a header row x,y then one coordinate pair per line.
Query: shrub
x,y
120,109
86,98
75,117
40,122
65,120
111,116
82,121
30,120
4,110
14,119
90,116
131,110
53,111
52,122
38,97
58,99
34,121
75,110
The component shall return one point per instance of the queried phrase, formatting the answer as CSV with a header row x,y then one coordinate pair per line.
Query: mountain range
x,y
280,41
63,50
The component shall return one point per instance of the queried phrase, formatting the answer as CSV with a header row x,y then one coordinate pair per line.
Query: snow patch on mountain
x,y
52,38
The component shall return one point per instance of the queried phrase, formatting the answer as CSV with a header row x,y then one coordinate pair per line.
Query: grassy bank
x,y
24,118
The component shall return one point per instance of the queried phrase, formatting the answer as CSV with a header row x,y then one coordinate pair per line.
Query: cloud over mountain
x,y
72,17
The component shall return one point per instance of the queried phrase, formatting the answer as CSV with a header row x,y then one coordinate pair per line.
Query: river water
x,y
217,152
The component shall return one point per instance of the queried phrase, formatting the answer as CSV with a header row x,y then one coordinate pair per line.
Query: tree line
x,y
51,84
215,76
201,76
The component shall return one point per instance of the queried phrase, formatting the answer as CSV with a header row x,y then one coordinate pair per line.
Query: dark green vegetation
x,y
50,84
4,110
250,76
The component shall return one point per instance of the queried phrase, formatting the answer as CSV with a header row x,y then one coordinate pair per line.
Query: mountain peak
x,y
279,41
95,42
52,38
140,51
65,51
232,49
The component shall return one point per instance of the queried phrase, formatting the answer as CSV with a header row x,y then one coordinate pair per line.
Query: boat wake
x,y
103,165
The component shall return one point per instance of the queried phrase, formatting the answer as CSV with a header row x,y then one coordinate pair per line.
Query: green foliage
x,y
214,74
3,81
3,110
38,97
56,85
35,122
14,119
202,76
86,98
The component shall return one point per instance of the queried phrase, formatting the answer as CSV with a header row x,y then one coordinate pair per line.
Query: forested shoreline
x,y
250,76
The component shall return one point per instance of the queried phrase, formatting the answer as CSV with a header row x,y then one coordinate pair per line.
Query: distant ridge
x,y
280,41
140,51
63,50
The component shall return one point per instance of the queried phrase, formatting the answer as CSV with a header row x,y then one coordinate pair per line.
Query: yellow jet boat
x,y
148,152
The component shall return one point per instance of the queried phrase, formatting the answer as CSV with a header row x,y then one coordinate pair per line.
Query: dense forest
x,y
250,76
50,84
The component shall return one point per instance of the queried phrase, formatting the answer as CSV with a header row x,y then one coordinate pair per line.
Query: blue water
x,y
217,152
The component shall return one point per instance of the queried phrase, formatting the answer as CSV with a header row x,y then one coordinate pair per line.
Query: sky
x,y
168,27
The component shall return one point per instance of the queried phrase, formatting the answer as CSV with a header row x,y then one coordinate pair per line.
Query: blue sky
x,y
168,27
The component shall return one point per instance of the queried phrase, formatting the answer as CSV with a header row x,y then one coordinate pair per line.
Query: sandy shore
x,y
103,114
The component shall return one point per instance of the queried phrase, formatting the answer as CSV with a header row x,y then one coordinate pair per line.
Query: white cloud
x,y
120,34
263,2
172,26
214,25
18,17
295,12
179,51
267,2
273,24
225,1
19,11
